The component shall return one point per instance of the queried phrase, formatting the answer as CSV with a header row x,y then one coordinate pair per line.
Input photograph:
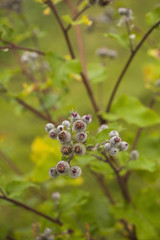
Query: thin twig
x,y
128,64
10,163
52,6
33,110
85,80
130,228
129,33
100,178
76,16
120,179
2,192
11,45
22,205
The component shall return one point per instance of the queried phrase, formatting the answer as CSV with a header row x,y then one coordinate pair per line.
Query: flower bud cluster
x,y
114,145
100,2
63,168
13,5
46,235
72,136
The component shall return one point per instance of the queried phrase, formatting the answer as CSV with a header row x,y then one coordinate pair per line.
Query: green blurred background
x,y
19,128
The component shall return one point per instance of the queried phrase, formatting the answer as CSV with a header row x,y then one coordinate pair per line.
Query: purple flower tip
x,y
74,114
88,117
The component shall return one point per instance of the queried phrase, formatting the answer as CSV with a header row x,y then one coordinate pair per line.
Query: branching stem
x,y
128,64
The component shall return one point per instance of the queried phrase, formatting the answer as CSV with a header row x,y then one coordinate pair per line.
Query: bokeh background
x,y
22,135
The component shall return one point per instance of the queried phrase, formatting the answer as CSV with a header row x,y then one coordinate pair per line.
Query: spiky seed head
x,y
87,118
62,167
103,3
53,133
51,237
79,149
64,137
60,128
75,116
115,141
56,196
113,151
92,2
81,136
66,124
123,146
49,126
102,127
107,146
79,126
47,232
74,172
53,172
134,155
113,133
66,149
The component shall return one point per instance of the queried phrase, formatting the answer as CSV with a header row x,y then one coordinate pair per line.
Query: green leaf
x,y
122,39
16,187
62,70
143,213
153,16
131,110
97,73
142,163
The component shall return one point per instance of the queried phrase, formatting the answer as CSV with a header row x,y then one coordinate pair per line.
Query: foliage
x,y
47,69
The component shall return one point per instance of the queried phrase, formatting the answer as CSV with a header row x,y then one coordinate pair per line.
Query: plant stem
x,y
52,6
129,32
100,178
76,16
128,64
14,46
84,78
33,110
22,205
130,228
121,180
10,163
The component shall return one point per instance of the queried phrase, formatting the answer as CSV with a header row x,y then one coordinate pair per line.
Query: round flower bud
x,y
49,126
123,146
64,137
113,133
66,124
134,155
53,133
62,167
74,172
104,2
66,149
79,126
53,172
75,116
113,151
56,196
81,137
60,128
47,232
79,149
92,2
102,127
125,12
107,146
51,237
87,118
115,141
